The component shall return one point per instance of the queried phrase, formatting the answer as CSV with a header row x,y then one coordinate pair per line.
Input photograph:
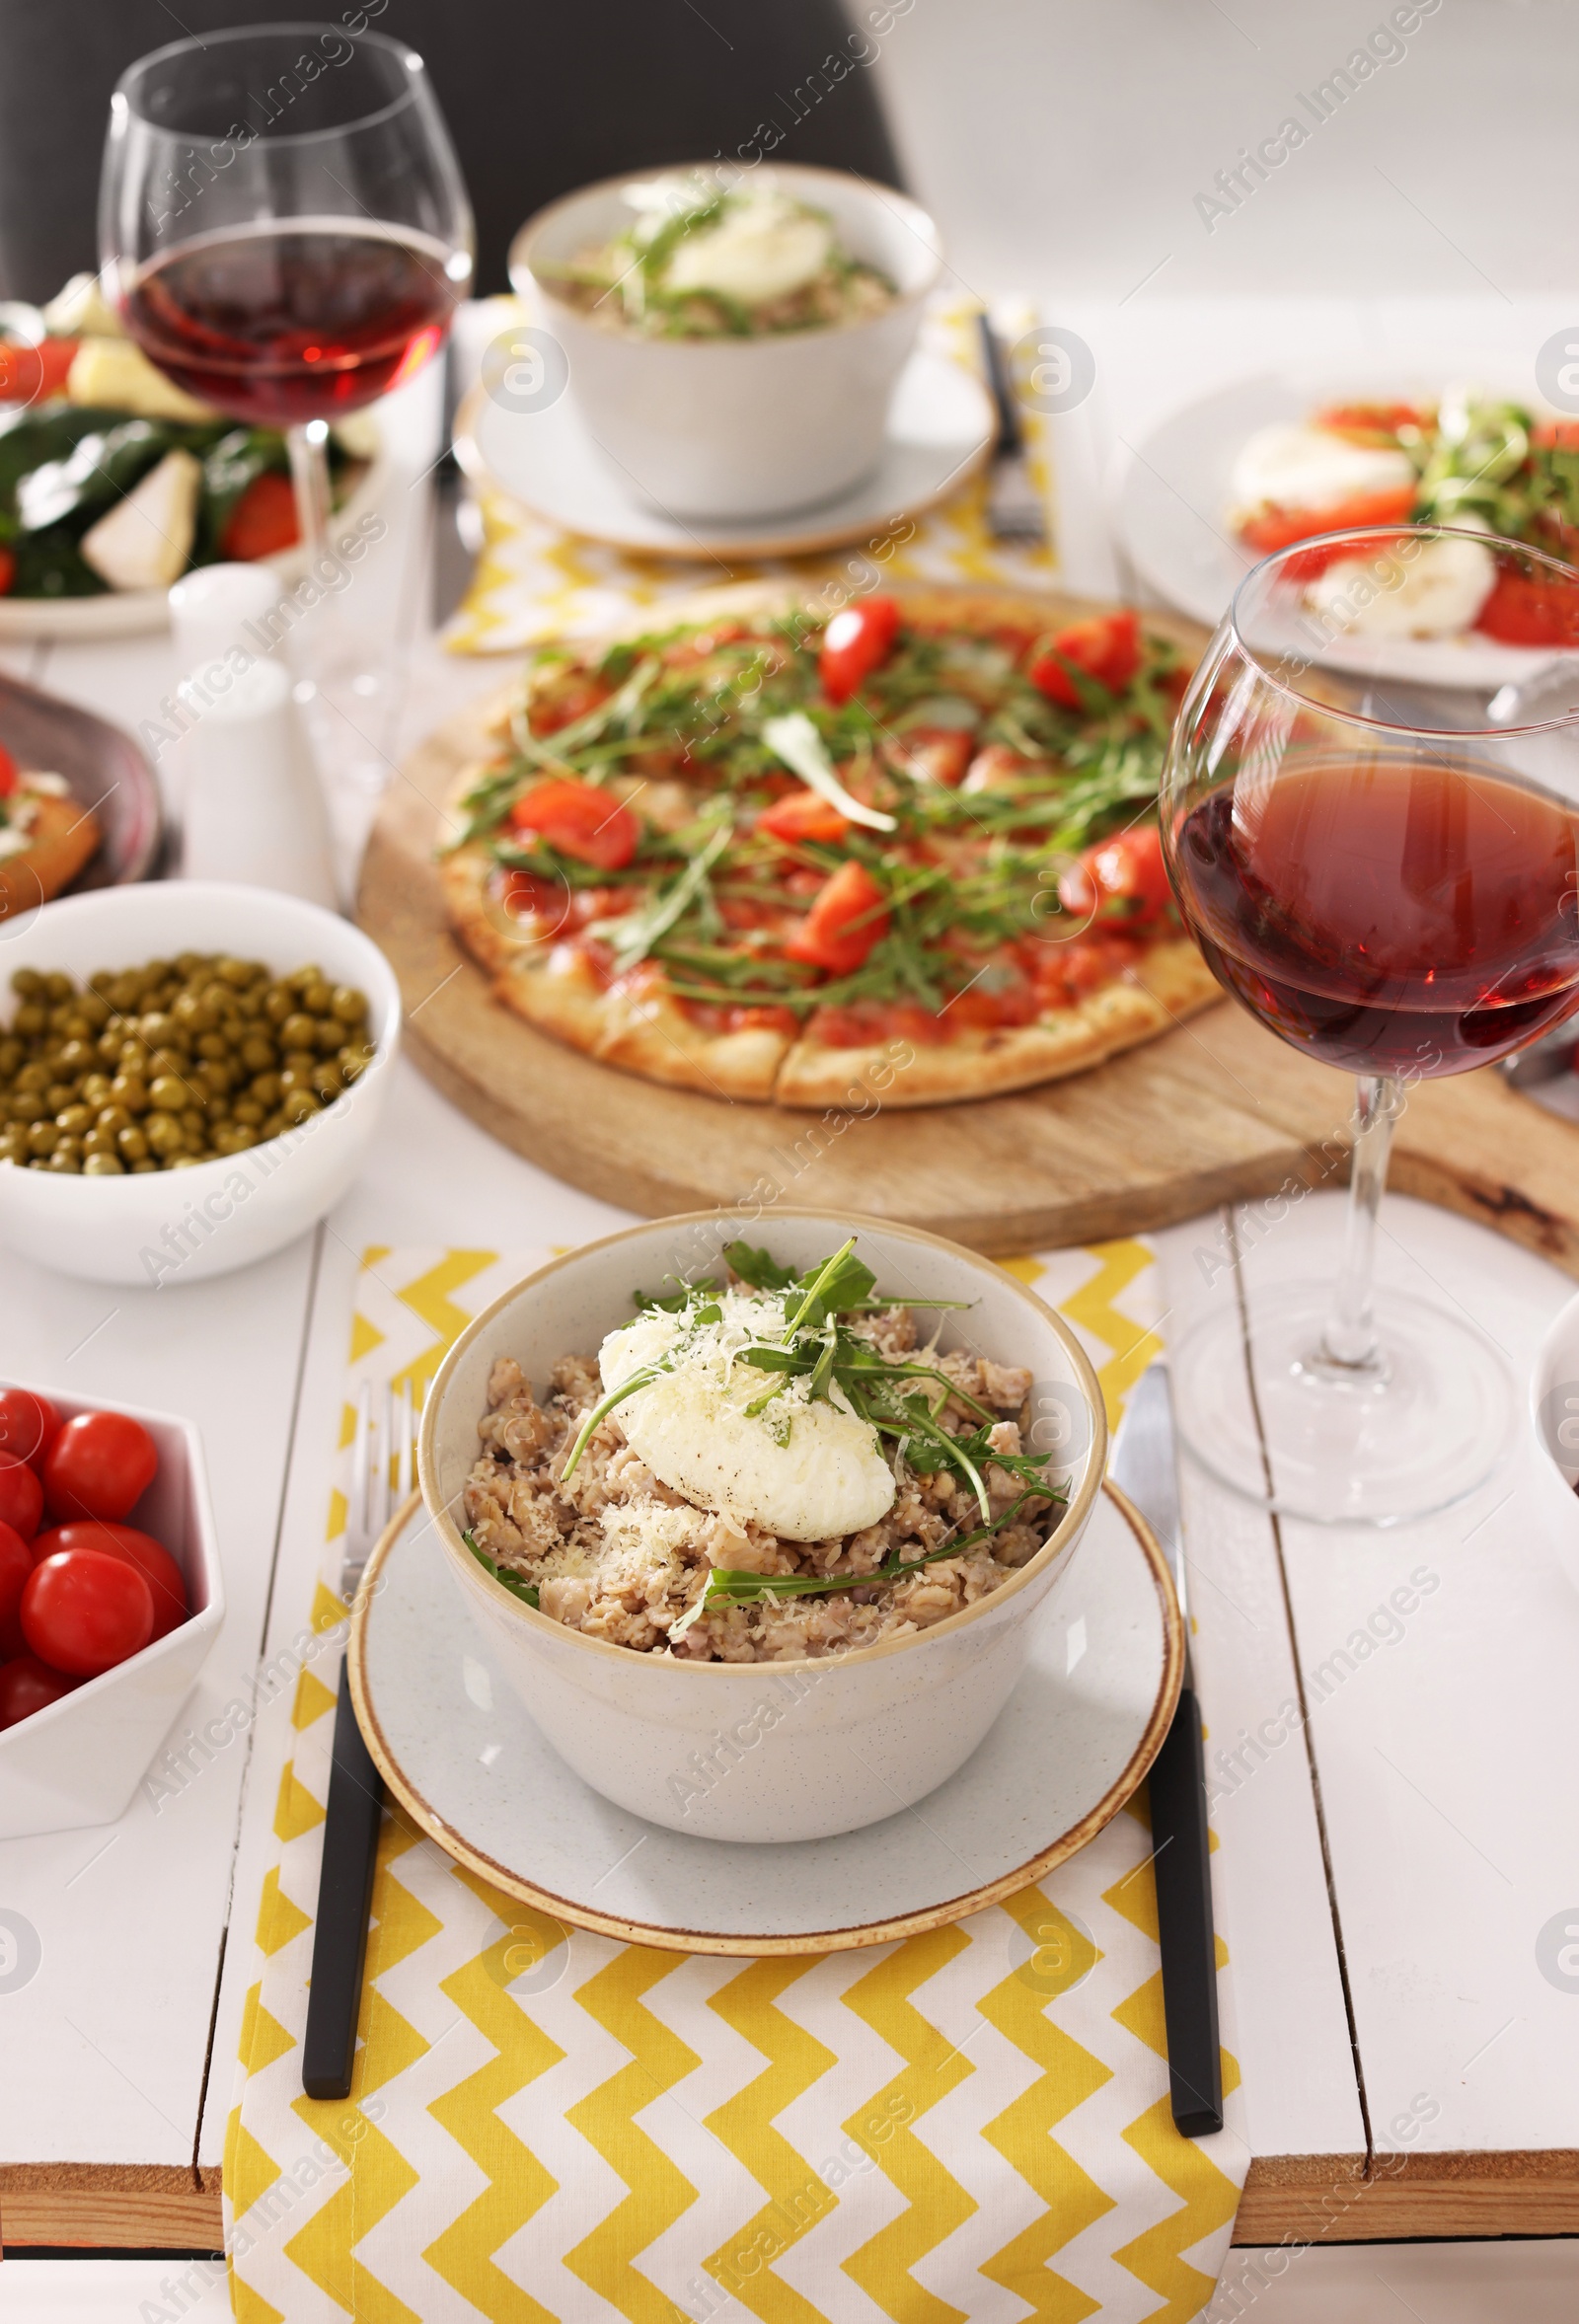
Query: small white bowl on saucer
x,y
80,1760
938,432
173,1226
809,1748
739,428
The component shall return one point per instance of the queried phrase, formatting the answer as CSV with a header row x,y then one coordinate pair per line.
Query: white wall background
x,y
1060,144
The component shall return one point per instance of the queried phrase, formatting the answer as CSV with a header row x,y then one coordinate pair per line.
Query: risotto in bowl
x,y
758,1519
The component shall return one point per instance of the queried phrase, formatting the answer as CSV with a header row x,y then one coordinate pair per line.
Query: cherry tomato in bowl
x,y
27,1685
16,1564
28,1423
84,1611
21,1496
99,1465
151,1558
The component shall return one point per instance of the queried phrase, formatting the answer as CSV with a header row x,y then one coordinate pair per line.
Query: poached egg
x,y
806,1470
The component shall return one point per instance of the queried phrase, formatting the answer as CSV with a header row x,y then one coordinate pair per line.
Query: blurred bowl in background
x,y
738,426
105,771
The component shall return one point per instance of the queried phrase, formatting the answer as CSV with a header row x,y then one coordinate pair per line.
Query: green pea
x,y
97,1163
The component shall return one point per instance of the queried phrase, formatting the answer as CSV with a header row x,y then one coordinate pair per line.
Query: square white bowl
x,y
79,1760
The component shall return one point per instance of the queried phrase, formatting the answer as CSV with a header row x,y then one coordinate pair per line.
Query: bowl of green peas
x,y
190,1075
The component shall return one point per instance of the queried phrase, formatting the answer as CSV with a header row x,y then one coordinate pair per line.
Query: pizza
x,y
773,852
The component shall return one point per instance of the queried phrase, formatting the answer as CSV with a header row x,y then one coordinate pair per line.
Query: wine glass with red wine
x,y
1383,868
283,228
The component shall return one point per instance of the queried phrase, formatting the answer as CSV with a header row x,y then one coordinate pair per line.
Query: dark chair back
x,y
541,96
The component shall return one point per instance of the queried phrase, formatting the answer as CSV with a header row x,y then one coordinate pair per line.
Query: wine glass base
x,y
1343,1447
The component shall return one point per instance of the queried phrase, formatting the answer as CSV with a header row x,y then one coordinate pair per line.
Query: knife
x,y
1145,1467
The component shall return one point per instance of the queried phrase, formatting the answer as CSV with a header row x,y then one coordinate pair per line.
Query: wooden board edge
x,y
111,2207
1298,2199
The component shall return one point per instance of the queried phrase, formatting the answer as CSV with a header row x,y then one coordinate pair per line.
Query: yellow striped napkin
x,y
969,2125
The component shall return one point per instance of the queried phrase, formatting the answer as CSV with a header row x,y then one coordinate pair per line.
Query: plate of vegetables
x,y
1290,457
114,482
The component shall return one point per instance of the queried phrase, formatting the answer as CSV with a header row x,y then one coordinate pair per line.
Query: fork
x,y
355,1802
1015,509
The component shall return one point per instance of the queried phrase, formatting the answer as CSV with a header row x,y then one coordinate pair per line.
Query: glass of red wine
x,y
283,228
1376,845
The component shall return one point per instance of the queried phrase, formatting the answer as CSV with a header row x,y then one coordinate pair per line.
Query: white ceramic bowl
x,y
80,1760
762,1751
739,427
180,1226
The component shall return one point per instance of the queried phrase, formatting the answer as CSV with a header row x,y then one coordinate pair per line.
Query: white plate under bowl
x,y
1173,492
941,429
136,613
462,1757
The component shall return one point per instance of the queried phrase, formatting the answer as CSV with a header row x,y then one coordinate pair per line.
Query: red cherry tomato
x,y
99,1465
29,374
845,921
84,1611
16,1564
261,522
935,754
1369,419
804,814
27,1685
1125,872
8,764
1277,528
580,821
857,641
1106,648
1525,609
27,1422
151,1558
8,574
21,1496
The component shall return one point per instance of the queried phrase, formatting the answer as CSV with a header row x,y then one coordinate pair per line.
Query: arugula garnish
x,y
525,1590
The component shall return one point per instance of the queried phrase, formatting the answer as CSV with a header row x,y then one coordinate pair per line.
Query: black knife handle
x,y
1010,439
344,1893
1183,1871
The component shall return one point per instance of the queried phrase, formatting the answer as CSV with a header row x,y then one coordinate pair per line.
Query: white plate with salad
x,y
1293,454
113,483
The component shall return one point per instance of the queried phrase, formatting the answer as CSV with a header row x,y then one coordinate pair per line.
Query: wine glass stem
x,y
1348,1340
309,473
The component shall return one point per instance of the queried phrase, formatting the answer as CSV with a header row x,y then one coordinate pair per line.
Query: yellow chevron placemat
x,y
969,2127
532,581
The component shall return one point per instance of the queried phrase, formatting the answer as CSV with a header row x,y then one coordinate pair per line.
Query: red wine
x,y
281,324
1389,914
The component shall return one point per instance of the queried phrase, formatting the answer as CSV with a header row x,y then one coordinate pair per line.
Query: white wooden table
x,y
1410,2070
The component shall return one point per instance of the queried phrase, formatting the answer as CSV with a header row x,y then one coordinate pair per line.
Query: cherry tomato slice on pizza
x,y
858,640
580,821
846,921
1106,648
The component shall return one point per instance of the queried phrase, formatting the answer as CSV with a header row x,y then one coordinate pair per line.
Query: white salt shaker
x,y
253,809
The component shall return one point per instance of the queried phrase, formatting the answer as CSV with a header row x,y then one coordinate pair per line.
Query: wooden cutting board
x,y
1217,1110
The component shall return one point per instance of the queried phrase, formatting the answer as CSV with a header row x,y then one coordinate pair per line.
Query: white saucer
x,y
458,1751
941,430
1173,489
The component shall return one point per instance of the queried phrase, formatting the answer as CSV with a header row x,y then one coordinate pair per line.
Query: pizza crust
x,y
642,1031
988,1063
